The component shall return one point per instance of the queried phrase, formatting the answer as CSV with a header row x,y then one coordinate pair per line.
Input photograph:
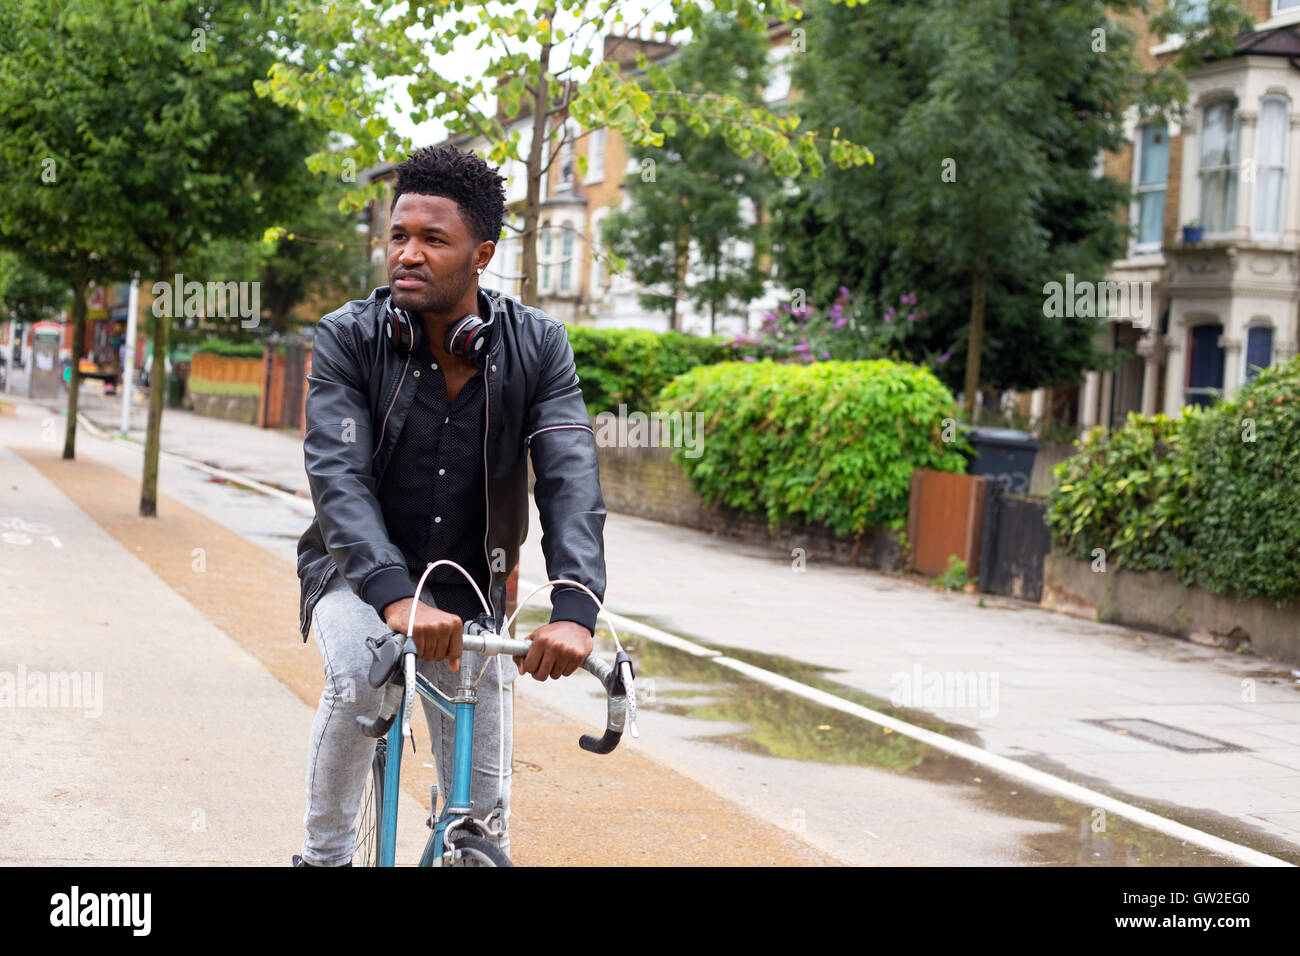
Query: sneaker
x,y
299,861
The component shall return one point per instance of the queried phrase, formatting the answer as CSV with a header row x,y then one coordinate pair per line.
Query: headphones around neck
x,y
466,338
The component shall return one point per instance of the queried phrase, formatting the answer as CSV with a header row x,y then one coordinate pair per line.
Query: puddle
x,y
778,724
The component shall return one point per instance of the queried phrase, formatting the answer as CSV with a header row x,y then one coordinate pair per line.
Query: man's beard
x,y
436,297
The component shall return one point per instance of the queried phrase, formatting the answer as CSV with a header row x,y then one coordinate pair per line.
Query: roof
x,y
1280,41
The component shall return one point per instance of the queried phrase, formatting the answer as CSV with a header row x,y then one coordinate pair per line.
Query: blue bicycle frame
x,y
461,710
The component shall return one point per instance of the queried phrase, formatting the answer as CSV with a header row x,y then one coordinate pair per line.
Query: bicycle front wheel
x,y
479,851
371,810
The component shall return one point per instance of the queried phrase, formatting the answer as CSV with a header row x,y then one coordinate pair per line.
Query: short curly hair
x,y
475,186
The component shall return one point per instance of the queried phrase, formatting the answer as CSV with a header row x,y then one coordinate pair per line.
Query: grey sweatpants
x,y
339,755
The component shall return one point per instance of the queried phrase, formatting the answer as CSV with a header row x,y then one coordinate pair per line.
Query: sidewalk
x,y
878,634
196,752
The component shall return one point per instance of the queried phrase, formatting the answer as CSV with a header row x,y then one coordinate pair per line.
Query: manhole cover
x,y
1166,736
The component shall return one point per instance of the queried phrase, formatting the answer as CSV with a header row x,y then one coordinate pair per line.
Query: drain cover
x,y
1166,736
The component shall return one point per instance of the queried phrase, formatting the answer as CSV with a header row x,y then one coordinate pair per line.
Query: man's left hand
x,y
557,650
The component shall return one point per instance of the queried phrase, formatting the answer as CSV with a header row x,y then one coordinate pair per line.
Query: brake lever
x,y
629,684
408,691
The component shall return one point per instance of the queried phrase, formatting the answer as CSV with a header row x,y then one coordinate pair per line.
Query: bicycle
x,y
458,839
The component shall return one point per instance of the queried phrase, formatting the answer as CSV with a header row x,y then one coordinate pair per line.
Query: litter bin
x,y
1005,456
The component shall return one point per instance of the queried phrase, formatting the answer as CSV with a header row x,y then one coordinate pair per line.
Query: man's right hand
x,y
437,634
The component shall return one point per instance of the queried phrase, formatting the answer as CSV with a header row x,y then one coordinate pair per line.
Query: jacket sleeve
x,y
337,451
567,486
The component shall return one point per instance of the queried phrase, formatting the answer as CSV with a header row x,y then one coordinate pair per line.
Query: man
x,y
416,450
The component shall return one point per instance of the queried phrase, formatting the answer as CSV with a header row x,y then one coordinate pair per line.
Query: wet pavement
x,y
842,783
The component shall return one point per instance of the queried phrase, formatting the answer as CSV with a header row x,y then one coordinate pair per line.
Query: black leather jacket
x,y
360,389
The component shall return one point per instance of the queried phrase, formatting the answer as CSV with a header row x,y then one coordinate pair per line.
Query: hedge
x,y
831,443
630,366
1210,496
229,349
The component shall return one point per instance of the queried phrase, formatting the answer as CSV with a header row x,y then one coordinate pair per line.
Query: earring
x,y
480,271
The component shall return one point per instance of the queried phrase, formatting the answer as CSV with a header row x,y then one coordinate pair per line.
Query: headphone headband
x,y
466,338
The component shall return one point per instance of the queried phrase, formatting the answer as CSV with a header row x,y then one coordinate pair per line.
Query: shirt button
x,y
437,520
442,471
435,365
446,420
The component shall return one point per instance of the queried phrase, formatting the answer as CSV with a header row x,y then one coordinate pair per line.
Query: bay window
x,y
1152,172
1270,171
1219,159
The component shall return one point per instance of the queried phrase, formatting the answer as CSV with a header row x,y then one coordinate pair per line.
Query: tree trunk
x,y
157,395
532,200
979,282
74,380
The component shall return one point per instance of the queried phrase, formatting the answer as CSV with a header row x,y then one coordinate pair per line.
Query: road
x,y
808,779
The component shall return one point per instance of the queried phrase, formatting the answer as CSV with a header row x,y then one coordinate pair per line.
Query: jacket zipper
x,y
302,620
384,428
529,439
487,503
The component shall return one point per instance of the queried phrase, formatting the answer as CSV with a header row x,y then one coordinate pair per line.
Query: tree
x,y
60,202
163,126
693,193
392,41
985,189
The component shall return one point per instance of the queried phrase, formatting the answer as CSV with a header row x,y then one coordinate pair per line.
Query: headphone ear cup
x,y
464,339
400,329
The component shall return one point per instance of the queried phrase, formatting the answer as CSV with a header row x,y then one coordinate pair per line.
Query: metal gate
x,y
295,380
1015,544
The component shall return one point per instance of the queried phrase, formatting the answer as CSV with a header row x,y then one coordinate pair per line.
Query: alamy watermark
x,y
1086,300
639,430
72,689
948,689
181,299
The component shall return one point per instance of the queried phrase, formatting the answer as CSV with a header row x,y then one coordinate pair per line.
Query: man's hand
x,y
437,634
557,650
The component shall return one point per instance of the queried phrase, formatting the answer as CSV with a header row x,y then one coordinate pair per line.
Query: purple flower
x,y
844,292
908,298
748,358
889,315
911,316
826,355
945,356
802,346
839,323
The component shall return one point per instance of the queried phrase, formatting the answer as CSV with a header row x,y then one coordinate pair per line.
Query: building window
x,y
1270,158
1280,5
778,86
1194,12
595,156
546,257
566,254
567,161
1219,142
1152,173
1205,366
1259,350
597,283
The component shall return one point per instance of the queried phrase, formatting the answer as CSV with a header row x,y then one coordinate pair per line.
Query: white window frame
x,y
1259,169
596,276
568,237
596,168
1235,168
1135,213
544,258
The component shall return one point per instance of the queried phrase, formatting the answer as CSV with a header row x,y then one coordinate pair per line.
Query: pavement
x,y
156,700
1019,681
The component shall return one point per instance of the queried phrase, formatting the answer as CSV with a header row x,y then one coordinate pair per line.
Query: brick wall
x,y
646,483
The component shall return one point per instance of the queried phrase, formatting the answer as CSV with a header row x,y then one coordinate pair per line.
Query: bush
x,y
630,366
832,443
228,349
1210,496
1246,533
1125,492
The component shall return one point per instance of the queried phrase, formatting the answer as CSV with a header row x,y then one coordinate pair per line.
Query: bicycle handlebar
x,y
389,654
